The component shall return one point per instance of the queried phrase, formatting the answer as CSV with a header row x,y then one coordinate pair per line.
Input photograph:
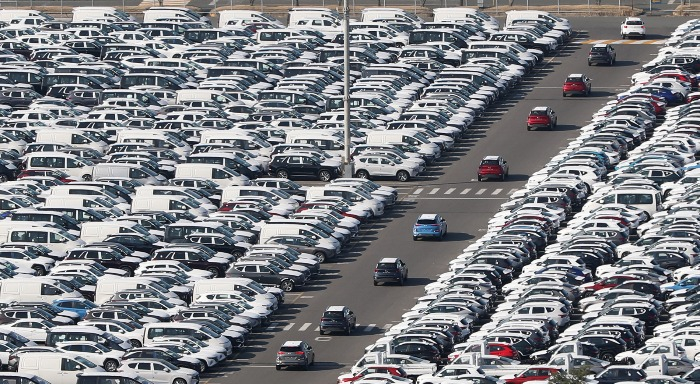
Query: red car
x,y
531,374
494,349
394,370
541,117
492,167
577,84
55,173
608,282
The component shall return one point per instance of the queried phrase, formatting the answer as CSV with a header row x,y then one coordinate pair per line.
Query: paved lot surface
x,y
451,190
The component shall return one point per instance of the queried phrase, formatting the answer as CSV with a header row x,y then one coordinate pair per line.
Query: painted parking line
x,y
497,191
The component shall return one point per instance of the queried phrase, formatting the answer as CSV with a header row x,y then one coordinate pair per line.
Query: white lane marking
x,y
417,191
288,327
449,191
512,191
317,329
304,327
465,191
387,326
481,191
434,191
370,327
497,191
272,326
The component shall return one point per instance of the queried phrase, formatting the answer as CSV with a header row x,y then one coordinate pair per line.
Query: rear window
x,y
598,49
634,22
425,221
489,162
538,113
290,349
386,265
333,315
573,79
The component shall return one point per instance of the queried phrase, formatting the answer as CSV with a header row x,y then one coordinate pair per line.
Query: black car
x,y
419,349
197,260
390,270
266,274
106,257
616,374
293,165
337,318
134,242
608,347
587,349
602,54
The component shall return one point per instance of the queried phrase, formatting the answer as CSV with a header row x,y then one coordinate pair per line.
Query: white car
x,y
33,329
94,352
633,26
161,372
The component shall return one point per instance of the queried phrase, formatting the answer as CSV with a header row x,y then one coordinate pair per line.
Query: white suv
x,y
633,26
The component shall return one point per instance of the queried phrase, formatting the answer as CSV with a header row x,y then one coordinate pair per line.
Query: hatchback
x,y
602,54
633,26
392,270
430,225
576,84
492,167
337,318
541,117
295,354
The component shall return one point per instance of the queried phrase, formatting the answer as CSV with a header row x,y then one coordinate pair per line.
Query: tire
x,y
286,285
237,254
321,256
362,174
415,238
478,177
135,343
348,331
402,176
214,271
320,332
612,61
324,176
277,367
306,366
179,381
40,271
503,177
563,94
402,282
87,177
282,174
3,178
375,283
607,356
589,64
110,365
202,367
313,360
128,271
529,128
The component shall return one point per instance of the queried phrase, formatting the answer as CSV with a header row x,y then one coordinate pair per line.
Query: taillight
x,y
376,270
299,352
280,353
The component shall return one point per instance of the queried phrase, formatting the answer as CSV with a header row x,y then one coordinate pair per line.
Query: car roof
x,y
428,216
335,308
294,343
491,157
600,45
389,260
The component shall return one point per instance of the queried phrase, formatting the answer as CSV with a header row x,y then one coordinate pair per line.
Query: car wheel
x,y
324,176
135,343
478,177
3,178
287,285
237,254
277,367
87,177
320,332
40,271
402,176
348,331
306,365
415,238
362,174
607,356
313,359
282,174
402,281
503,177
110,365
321,256
179,381
128,271
629,361
529,128
589,63
375,283
214,272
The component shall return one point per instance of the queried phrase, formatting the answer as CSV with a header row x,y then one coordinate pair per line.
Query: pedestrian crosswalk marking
x,y
304,327
272,326
288,326
465,191
387,327
417,191
434,191
447,192
512,191
370,327
317,329
497,191
481,191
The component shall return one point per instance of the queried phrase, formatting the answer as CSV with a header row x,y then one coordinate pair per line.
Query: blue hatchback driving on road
x,y
430,225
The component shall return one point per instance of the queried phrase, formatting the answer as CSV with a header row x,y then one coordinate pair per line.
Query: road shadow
x,y
325,366
417,281
625,63
457,236
517,177
604,94
566,127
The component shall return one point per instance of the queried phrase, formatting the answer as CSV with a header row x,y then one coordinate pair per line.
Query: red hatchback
x,y
541,117
531,374
492,167
576,84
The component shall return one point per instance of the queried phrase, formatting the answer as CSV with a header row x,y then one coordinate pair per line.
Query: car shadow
x,y
625,63
457,236
417,281
566,127
517,177
325,366
598,93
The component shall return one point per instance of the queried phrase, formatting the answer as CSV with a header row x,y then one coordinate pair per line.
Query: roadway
x,y
451,190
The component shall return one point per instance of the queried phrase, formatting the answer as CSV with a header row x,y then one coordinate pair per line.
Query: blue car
x,y
79,306
687,283
431,226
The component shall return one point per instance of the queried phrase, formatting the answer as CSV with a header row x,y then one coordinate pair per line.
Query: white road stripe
x,y
272,326
417,191
671,1
317,329
370,327
497,191
304,327
447,192
288,327
387,326
465,191
481,191
434,191
512,191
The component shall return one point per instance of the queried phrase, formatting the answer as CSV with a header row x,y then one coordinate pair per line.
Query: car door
x,y
161,373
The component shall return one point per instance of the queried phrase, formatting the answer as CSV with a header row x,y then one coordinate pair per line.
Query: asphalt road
x,y
451,190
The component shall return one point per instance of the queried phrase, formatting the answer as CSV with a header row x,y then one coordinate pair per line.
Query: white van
x,y
154,14
167,203
99,203
233,192
107,286
198,331
72,137
41,289
222,175
240,17
371,14
55,367
171,190
100,13
132,171
156,138
319,13
237,284
647,199
328,142
361,198
537,15
7,15
57,240
430,151
273,229
98,231
465,14
274,35
239,138
75,166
